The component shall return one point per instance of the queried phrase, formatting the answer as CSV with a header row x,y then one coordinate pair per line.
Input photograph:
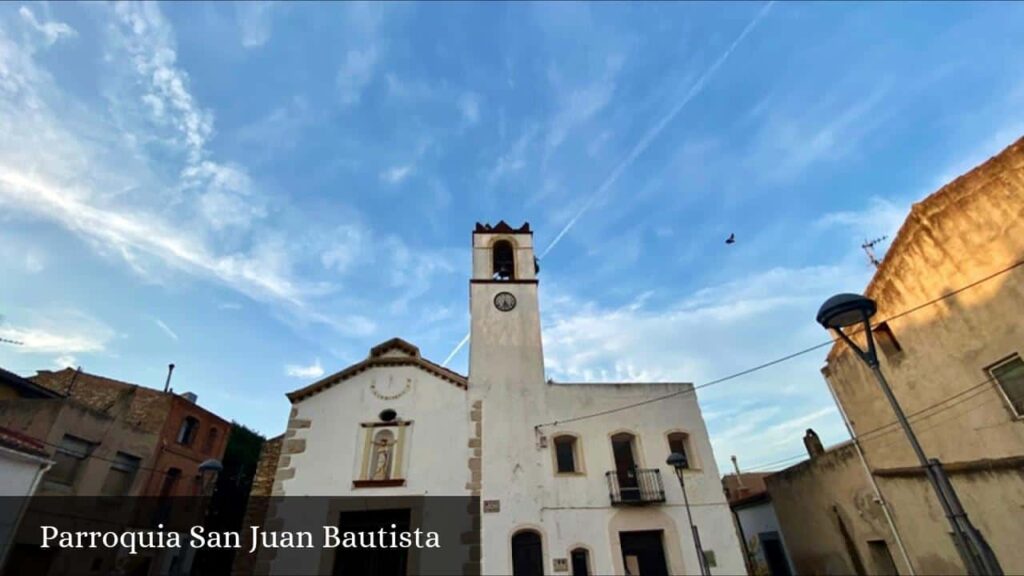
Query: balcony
x,y
635,486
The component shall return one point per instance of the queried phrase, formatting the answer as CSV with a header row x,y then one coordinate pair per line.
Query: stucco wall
x,y
969,230
811,498
325,451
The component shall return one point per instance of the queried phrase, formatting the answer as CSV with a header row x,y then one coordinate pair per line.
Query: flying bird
x,y
731,239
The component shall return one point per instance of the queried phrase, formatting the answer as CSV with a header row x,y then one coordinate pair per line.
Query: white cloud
x,y
396,174
580,103
52,31
314,370
469,105
254,22
166,329
348,245
148,40
705,335
65,361
355,74
58,331
229,306
794,136
514,159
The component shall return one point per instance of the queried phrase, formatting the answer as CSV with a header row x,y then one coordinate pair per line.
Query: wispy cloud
x,y
656,130
469,106
60,332
52,31
355,74
314,370
254,22
166,329
397,174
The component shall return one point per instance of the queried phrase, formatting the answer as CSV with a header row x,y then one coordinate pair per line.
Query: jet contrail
x,y
644,142
656,130
456,350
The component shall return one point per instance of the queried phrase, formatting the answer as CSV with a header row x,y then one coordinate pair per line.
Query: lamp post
x,y
679,463
846,310
208,472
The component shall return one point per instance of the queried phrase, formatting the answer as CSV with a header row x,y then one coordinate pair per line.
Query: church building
x,y
568,477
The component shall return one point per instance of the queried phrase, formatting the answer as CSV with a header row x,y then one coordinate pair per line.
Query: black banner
x,y
58,535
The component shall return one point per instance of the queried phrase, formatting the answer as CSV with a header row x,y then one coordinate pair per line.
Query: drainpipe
x,y
871,478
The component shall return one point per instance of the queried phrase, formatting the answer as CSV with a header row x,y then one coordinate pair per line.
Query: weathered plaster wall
x,y
811,498
969,230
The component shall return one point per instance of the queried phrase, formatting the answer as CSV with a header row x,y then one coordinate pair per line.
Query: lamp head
x,y
844,310
677,460
211,465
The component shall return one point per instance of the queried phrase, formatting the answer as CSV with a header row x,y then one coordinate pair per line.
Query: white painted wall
x,y
19,477
507,375
757,519
435,452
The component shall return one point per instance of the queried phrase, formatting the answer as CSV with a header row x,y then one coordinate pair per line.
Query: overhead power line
x,y
921,414
782,359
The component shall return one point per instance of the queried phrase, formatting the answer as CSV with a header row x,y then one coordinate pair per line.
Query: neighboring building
x,y
956,366
176,435
587,496
112,439
758,527
830,517
22,463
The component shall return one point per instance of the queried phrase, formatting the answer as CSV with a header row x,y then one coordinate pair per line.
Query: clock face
x,y
390,389
504,301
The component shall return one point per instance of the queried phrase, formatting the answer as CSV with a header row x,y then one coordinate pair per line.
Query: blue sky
x,y
260,192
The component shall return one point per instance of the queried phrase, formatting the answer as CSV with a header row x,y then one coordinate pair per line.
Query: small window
x,y
211,440
1010,376
170,482
565,454
121,475
187,432
886,340
68,459
677,443
881,558
580,562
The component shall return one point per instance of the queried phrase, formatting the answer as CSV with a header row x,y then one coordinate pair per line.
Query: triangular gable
x,y
394,352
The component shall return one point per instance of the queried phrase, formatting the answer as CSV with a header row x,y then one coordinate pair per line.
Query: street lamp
x,y
679,463
846,310
208,472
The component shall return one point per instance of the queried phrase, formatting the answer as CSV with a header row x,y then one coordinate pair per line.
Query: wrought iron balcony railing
x,y
635,486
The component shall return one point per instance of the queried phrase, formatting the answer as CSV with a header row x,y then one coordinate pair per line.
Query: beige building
x,y
956,368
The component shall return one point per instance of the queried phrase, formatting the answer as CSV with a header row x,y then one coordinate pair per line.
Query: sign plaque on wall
x,y
561,565
492,505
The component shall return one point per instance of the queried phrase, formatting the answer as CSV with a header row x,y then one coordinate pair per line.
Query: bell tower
x,y
505,354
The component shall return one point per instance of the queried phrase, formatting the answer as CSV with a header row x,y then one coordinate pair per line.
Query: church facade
x,y
568,479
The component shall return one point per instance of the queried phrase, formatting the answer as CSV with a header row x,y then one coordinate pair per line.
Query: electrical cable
x,y
783,358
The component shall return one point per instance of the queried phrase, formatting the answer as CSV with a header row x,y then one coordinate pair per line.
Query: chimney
x,y
739,477
190,396
167,385
813,444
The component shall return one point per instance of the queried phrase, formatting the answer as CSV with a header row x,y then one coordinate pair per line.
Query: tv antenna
x,y
869,249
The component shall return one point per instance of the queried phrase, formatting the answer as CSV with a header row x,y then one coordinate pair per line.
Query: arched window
x,y
678,442
211,440
527,554
566,457
580,562
503,260
383,455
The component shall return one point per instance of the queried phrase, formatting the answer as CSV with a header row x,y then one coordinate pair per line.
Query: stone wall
x,y
259,497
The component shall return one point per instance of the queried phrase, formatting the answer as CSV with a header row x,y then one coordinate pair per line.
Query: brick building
x,y
113,439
